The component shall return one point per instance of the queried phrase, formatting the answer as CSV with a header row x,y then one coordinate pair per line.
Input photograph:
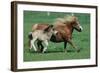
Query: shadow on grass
x,y
68,51
54,51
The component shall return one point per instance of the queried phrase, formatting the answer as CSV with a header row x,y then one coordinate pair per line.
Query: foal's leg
x,y
65,44
30,44
33,43
73,45
46,45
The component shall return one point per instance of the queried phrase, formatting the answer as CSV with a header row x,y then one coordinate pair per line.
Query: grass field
x,y
55,50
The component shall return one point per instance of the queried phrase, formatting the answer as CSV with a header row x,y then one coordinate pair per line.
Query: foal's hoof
x,y
43,52
65,50
78,50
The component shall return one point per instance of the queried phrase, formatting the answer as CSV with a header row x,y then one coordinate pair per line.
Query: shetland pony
x,y
64,28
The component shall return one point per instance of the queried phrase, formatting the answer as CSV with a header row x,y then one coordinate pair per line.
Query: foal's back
x,y
40,35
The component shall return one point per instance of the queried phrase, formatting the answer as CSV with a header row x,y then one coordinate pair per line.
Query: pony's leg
x,y
73,45
41,46
33,43
38,45
65,44
46,45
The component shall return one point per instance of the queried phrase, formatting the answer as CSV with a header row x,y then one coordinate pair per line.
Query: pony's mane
x,y
62,21
59,21
68,18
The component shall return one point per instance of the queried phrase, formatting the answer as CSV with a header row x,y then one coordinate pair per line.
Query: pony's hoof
x,y
65,51
43,52
29,50
39,51
78,50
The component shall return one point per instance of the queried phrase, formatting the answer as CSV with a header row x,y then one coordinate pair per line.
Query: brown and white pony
x,y
65,27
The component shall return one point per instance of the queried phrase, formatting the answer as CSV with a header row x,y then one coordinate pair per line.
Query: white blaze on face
x,y
81,28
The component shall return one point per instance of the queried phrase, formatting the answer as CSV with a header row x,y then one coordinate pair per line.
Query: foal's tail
x,y
30,38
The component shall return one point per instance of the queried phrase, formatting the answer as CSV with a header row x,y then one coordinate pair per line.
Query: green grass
x,y
55,50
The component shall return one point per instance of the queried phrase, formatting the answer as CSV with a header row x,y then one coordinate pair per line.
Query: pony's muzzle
x,y
81,29
78,28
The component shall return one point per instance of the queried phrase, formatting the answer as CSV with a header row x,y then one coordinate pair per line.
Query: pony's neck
x,y
70,26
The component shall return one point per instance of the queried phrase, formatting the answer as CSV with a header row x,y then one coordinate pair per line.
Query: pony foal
x,y
41,35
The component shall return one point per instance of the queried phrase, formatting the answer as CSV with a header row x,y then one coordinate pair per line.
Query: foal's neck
x,y
49,34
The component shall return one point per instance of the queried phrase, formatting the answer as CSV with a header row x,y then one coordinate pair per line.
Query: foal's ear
x,y
48,28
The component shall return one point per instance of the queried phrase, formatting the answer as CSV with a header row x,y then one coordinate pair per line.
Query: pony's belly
x,y
56,39
43,38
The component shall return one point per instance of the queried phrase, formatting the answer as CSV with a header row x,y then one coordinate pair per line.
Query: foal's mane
x,y
48,28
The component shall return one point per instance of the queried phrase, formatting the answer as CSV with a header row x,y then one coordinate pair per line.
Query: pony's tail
x,y
30,38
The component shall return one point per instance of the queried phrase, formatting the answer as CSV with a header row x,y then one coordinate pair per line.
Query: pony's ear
x,y
48,28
